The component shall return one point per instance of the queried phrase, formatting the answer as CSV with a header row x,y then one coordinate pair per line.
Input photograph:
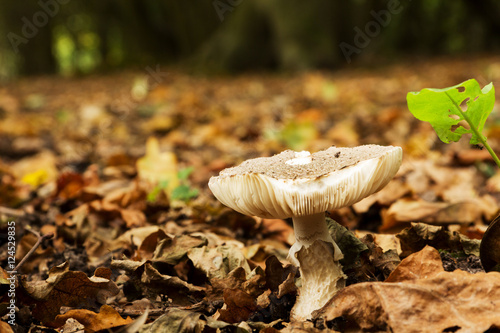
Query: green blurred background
x,y
73,37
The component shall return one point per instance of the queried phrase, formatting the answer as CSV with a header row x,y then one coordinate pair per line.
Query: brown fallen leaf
x,y
407,210
254,286
133,217
420,265
146,278
106,318
471,156
5,328
177,320
69,185
218,262
276,274
65,288
444,301
419,235
395,190
238,306
304,327
181,292
278,229
173,249
148,245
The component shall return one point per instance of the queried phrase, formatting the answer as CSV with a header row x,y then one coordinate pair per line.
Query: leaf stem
x,y
476,132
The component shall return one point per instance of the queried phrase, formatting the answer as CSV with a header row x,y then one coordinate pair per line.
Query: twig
x,y
33,249
11,212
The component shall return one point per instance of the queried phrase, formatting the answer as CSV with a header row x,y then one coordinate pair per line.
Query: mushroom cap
x,y
299,183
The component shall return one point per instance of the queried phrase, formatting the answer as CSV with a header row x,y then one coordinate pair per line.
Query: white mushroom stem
x,y
321,276
308,229
317,256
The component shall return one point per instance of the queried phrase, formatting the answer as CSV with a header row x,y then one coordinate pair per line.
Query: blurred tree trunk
x,y
235,35
34,49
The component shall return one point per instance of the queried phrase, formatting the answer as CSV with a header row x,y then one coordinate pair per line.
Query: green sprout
x,y
183,192
442,108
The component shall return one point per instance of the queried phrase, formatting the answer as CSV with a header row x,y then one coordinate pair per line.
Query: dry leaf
x,y
173,249
176,320
158,167
420,265
106,318
408,210
179,291
69,185
444,301
5,328
218,262
36,170
254,286
419,235
276,274
239,306
65,288
151,282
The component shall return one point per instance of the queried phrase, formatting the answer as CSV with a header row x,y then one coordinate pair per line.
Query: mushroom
x,y
303,186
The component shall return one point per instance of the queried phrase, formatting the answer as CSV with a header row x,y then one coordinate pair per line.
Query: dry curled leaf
x,y
444,301
276,274
181,292
419,235
421,265
175,320
106,318
254,286
173,249
218,262
238,305
66,288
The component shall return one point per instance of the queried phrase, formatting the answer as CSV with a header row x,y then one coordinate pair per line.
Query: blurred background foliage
x,y
82,37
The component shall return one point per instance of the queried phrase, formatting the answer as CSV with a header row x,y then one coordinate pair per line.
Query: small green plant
x,y
183,192
445,108
155,192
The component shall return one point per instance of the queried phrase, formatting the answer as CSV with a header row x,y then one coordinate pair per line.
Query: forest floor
x,y
105,178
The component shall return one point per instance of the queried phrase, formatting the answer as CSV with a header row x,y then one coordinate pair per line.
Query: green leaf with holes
x,y
442,109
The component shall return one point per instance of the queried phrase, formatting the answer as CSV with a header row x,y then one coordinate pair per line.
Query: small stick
x,y
33,249
11,212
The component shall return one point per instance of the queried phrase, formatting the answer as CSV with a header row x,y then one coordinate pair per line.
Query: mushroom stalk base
x,y
307,230
322,277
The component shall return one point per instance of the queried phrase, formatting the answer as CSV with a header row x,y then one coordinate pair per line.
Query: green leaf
x,y
184,193
441,108
153,195
183,174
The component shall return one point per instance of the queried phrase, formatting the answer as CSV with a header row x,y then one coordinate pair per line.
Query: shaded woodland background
x,y
97,36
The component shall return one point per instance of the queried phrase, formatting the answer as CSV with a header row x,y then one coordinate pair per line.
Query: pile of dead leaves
x,y
139,244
